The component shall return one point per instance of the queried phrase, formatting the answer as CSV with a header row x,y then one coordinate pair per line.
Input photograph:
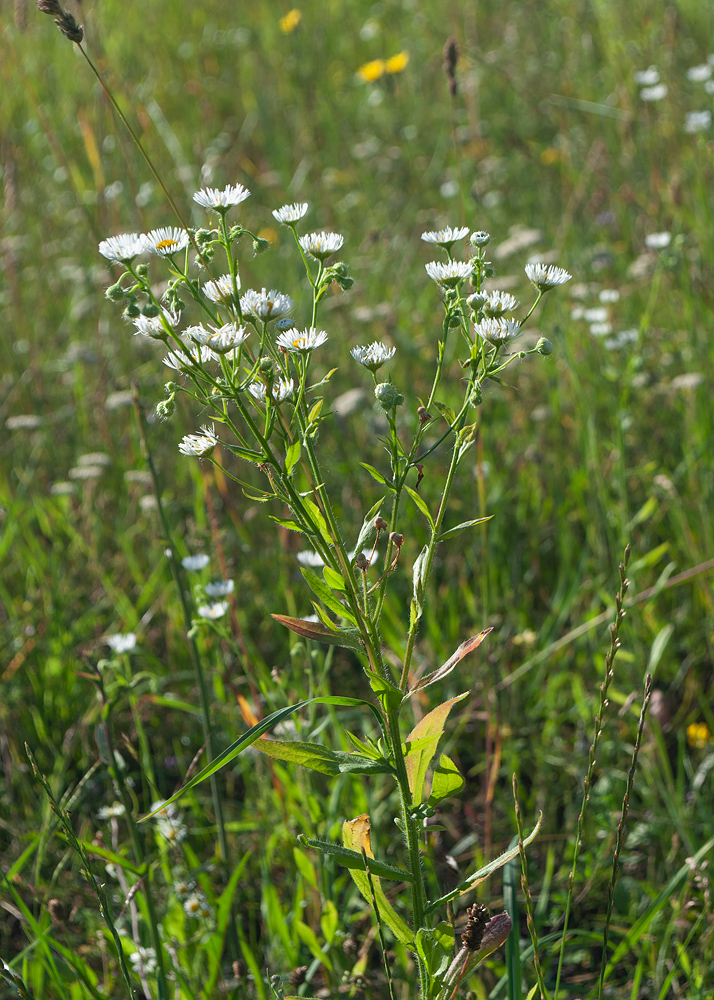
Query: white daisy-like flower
x,y
197,906
221,201
321,245
162,808
609,295
153,327
212,612
697,121
166,240
183,889
221,290
143,961
301,341
698,74
656,93
313,560
266,305
498,303
658,241
445,237
222,340
647,77
114,811
219,588
196,353
600,329
192,564
374,355
448,275
498,331
546,276
596,315
199,445
122,642
124,248
290,214
171,829
282,389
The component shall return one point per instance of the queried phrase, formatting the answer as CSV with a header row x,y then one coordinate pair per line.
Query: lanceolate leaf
x,y
420,504
375,474
448,781
321,633
418,761
367,530
319,758
321,590
354,859
464,649
292,456
460,527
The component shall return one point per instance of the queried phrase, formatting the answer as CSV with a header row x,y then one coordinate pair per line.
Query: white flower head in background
x,y
122,642
212,612
219,588
199,446
196,353
301,341
546,276
288,215
658,241
282,389
609,295
114,811
221,201
498,331
313,560
193,564
697,121
647,77
321,245
374,355
153,326
143,961
446,237
266,305
221,290
222,340
124,248
448,275
166,241
698,74
656,93
498,303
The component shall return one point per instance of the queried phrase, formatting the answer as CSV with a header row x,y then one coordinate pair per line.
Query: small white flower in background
x,y
192,564
656,93
600,329
687,381
609,295
185,359
546,276
446,237
290,214
113,811
647,77
122,249
198,906
449,275
498,331
597,315
160,806
498,303
282,389
223,340
85,472
577,313
153,327
212,612
183,889
166,240
301,341
220,201
374,355
697,121
24,422
658,241
266,305
94,458
699,73
321,245
219,588
171,829
221,290
621,339
143,961
122,642
709,86
198,446
311,559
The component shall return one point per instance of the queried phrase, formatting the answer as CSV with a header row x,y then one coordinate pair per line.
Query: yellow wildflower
x,y
698,735
397,63
371,71
291,20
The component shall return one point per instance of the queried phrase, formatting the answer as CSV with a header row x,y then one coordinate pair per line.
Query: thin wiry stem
x,y
527,893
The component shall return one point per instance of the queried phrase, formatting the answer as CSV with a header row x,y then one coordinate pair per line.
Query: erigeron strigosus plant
x,y
247,363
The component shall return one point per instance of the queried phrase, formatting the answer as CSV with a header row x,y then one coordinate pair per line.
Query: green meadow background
x,y
550,148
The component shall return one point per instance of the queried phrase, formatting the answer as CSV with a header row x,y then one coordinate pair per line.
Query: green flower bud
x,y
165,408
387,396
115,293
132,311
142,270
149,310
260,245
544,347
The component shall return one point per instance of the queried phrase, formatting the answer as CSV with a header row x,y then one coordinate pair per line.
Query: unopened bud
x,y
544,347
115,293
149,310
380,524
476,300
265,366
396,539
387,395
361,561
260,245
423,414
479,239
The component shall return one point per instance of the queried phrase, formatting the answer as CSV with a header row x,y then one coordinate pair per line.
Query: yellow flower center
x,y
166,244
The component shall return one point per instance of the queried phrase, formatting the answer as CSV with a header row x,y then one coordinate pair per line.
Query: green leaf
x,y
321,759
452,532
418,762
292,456
112,857
305,867
245,453
389,694
436,947
316,409
354,860
361,747
447,781
308,937
334,579
445,669
318,519
285,522
329,921
223,913
368,529
376,475
321,590
446,411
421,505
331,636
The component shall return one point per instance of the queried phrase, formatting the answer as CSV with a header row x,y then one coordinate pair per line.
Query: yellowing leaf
x,y
356,835
418,761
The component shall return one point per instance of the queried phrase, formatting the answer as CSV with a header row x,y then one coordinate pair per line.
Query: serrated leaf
x,y
353,859
446,411
452,532
292,456
421,505
418,762
445,669
321,590
321,633
447,781
334,579
368,529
